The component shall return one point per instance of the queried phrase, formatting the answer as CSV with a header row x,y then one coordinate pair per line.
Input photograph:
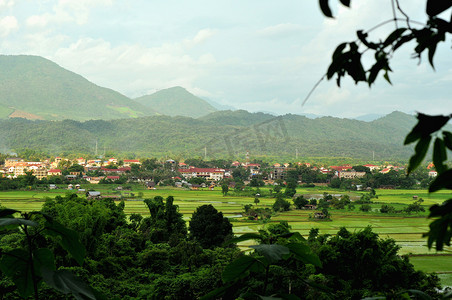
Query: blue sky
x,y
254,55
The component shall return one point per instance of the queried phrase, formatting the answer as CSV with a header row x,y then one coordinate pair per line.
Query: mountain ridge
x,y
176,101
261,134
38,86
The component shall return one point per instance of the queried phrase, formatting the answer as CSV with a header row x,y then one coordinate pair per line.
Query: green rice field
x,y
406,230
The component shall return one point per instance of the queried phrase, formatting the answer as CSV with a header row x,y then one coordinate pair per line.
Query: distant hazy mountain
x,y
311,116
368,117
223,134
33,87
219,106
176,101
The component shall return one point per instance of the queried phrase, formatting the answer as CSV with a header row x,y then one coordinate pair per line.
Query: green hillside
x,y
163,135
237,117
34,86
177,101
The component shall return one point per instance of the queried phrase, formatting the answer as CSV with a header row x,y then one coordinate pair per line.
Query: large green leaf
x,y
216,293
7,212
280,297
439,155
435,7
419,153
345,2
16,265
272,253
293,236
439,233
238,268
440,229
304,253
17,222
244,237
396,34
425,126
67,283
447,139
69,240
43,259
442,181
419,294
324,6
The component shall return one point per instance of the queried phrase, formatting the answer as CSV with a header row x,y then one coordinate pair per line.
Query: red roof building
x,y
54,172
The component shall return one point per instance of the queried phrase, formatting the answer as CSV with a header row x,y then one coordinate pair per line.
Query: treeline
x,y
418,179
158,257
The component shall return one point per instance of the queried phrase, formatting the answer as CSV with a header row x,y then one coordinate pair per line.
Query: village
x,y
96,171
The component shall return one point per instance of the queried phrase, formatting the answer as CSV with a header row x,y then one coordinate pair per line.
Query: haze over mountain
x,y
369,117
223,134
36,88
176,101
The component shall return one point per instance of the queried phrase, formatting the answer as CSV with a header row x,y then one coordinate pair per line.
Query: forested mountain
x,y
33,87
222,134
237,117
176,101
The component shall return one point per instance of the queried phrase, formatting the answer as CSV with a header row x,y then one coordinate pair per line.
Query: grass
x,y
441,264
5,111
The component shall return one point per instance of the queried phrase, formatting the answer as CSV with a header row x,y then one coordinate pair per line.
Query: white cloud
x,y
281,30
8,24
67,11
6,3
38,20
135,69
265,59
200,37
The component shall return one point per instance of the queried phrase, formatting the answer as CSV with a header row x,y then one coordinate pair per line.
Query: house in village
x,y
54,172
432,173
93,195
350,174
11,161
371,167
130,162
207,173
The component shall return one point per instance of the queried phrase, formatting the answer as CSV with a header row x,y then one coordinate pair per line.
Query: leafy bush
x,y
365,207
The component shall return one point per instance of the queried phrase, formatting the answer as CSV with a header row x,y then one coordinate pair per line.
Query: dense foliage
x,y
121,259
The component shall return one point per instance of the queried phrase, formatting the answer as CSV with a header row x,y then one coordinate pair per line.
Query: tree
x,y
256,200
224,189
300,202
165,221
281,204
387,209
365,207
347,60
359,265
208,227
275,266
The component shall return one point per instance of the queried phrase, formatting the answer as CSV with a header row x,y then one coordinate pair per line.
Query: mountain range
x,y
50,109
176,101
223,134
36,88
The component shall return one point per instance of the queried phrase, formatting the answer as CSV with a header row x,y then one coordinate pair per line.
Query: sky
x,y
254,55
